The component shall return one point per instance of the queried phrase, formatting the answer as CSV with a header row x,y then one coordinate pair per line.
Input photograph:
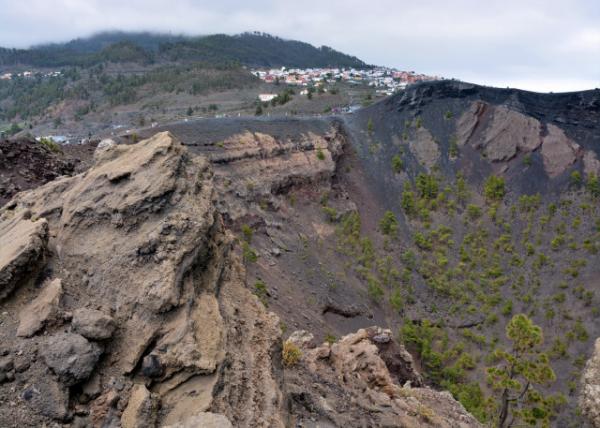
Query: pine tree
x,y
517,374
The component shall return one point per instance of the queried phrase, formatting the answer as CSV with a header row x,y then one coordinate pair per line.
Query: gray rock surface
x,y
93,324
558,151
70,356
425,148
47,397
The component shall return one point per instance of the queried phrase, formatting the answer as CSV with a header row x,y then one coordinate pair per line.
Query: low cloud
x,y
538,45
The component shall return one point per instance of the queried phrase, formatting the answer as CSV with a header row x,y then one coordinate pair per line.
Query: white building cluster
x,y
29,74
386,80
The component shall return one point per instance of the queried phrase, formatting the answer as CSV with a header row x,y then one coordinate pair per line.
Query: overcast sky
x,y
543,45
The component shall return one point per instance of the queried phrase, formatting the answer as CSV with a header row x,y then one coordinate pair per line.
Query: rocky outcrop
x,y
498,131
425,148
501,133
589,400
348,383
156,326
22,249
253,167
558,151
137,235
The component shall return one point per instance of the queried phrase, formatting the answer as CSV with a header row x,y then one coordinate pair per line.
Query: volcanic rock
x,y
354,365
70,356
92,324
558,151
141,410
41,310
22,248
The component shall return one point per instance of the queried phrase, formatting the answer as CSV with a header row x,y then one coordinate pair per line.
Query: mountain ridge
x,y
251,49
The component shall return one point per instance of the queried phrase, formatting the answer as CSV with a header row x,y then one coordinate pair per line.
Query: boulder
x,y
93,324
41,310
70,356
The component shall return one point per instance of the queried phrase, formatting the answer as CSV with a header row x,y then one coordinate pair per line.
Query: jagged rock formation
x,y
589,400
142,313
349,383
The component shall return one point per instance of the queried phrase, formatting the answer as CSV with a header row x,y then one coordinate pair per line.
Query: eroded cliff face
x,y
124,302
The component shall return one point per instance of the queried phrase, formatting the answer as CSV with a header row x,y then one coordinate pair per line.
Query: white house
x,y
265,98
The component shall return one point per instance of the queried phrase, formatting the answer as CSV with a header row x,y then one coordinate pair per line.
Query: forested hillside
x,y
253,49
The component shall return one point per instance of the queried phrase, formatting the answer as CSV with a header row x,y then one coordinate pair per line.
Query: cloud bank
x,y
531,44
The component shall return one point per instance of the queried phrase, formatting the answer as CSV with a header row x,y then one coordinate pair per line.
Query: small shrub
x,y
389,224
290,353
473,211
593,185
453,148
494,188
428,186
248,253
260,290
408,202
248,232
397,164
330,338
320,154
330,213
49,144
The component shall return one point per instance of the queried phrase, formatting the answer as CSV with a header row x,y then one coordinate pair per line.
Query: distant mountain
x,y
252,49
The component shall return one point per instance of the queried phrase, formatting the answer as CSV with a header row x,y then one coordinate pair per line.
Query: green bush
x,y
330,213
593,185
408,202
49,144
248,253
473,211
428,186
453,147
248,232
260,290
320,154
388,224
397,164
494,188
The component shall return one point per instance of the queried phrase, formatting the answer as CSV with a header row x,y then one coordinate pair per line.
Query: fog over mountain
x,y
535,45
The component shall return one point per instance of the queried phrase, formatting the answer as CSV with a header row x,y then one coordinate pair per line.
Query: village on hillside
x,y
386,80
